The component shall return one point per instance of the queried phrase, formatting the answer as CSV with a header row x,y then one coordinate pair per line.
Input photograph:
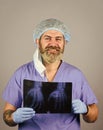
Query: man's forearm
x,y
92,114
7,117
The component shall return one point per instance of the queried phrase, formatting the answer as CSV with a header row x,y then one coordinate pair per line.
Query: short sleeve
x,y
87,94
12,93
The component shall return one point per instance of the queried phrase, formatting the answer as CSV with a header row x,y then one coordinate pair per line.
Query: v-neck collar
x,y
58,73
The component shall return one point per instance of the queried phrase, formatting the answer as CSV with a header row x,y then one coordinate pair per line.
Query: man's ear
x,y
37,41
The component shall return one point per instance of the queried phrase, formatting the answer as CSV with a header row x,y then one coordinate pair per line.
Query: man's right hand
x,y
23,114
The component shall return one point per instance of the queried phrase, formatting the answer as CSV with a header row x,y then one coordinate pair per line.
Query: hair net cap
x,y
51,24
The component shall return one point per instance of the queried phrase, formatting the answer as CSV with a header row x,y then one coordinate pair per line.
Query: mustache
x,y
52,47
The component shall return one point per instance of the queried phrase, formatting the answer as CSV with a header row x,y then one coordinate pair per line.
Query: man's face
x,y
51,46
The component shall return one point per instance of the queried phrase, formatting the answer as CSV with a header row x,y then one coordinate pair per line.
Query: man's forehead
x,y
52,33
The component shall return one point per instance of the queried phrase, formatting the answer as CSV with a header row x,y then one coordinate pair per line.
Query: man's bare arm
x,y
92,114
7,115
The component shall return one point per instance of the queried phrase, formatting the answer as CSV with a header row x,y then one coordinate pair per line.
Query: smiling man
x,y
51,37
51,45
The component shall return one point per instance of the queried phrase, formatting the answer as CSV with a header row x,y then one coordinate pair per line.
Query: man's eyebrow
x,y
54,37
47,36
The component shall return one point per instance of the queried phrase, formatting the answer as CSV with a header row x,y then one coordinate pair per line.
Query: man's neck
x,y
51,70
52,66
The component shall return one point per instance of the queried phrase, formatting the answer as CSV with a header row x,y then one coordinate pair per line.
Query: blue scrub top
x,y
13,94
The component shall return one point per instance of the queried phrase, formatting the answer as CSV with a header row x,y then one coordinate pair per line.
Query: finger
x,y
28,113
27,116
75,105
26,109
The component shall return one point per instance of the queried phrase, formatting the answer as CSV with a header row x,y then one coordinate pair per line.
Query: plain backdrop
x,y
84,19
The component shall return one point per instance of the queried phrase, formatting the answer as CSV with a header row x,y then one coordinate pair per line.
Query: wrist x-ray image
x,y
48,97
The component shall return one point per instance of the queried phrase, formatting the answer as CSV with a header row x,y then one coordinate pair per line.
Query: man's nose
x,y
53,42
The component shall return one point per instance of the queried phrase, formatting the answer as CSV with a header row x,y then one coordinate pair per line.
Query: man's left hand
x,y
79,107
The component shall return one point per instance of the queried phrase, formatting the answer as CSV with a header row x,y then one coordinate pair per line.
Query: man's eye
x,y
47,38
58,39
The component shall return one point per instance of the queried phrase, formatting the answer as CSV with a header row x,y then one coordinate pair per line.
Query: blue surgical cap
x,y
51,24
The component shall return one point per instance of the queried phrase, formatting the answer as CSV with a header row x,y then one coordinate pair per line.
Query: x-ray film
x,y
48,97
